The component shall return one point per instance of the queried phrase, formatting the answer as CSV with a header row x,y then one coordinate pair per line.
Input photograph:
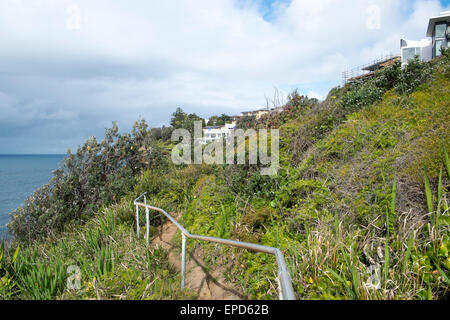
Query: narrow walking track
x,y
207,285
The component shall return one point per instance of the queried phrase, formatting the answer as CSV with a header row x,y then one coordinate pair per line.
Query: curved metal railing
x,y
286,292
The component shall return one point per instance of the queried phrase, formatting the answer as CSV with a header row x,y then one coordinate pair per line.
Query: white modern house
x,y
212,133
412,48
427,49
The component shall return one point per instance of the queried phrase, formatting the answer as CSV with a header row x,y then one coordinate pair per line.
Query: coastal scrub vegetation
x,y
359,206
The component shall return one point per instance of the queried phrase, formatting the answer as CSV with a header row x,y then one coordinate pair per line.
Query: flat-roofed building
x,y
412,48
213,133
257,113
426,49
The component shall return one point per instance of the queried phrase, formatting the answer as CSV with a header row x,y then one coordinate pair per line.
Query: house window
x,y
440,30
419,53
439,35
437,47
408,54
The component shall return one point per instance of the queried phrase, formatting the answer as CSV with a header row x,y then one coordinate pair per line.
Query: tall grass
x,y
446,159
105,261
42,281
8,283
428,193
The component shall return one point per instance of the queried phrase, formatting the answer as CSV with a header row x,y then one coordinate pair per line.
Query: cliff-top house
x,y
427,49
438,34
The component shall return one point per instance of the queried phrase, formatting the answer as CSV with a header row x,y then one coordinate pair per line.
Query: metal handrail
x,y
286,292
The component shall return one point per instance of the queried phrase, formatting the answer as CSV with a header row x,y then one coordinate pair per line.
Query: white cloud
x,y
313,94
148,57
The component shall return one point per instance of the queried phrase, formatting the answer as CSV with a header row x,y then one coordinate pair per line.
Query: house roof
x,y
443,17
405,43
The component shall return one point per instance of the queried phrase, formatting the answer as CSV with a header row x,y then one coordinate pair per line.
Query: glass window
x,y
408,53
437,47
439,31
419,52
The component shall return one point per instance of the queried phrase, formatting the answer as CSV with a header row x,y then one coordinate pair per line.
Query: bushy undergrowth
x,y
359,206
347,232
112,264
100,173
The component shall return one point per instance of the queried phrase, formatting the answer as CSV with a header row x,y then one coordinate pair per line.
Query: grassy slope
x,y
328,210
113,263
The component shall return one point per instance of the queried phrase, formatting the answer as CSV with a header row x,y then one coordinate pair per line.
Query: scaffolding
x,y
368,69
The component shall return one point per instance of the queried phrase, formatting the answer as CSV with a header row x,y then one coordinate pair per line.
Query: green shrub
x,y
98,174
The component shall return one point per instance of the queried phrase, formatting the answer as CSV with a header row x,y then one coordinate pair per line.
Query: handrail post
x,y
147,231
183,259
136,203
147,218
137,221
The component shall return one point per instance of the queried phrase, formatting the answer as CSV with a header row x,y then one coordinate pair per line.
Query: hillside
x,y
359,206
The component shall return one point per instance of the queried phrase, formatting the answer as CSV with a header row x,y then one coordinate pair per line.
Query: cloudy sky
x,y
69,68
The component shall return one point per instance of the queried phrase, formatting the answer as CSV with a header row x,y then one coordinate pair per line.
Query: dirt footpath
x,y
207,285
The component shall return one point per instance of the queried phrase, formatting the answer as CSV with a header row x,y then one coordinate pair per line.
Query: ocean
x,y
20,175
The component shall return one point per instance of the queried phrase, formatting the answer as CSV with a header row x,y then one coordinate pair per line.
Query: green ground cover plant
x,y
359,206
